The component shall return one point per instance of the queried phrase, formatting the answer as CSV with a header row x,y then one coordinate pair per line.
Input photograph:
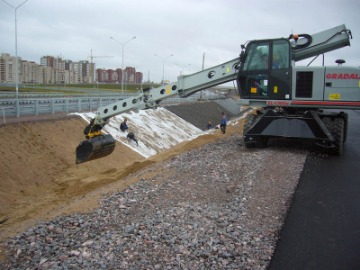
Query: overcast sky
x,y
185,29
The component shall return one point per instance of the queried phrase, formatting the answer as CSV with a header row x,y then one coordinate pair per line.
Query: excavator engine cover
x,y
96,147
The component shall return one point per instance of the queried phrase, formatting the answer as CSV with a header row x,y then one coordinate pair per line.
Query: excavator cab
x,y
96,145
265,70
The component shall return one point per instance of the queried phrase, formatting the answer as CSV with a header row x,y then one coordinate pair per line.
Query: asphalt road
x,y
322,227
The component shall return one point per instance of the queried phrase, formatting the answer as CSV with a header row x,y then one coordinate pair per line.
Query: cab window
x,y
280,58
257,57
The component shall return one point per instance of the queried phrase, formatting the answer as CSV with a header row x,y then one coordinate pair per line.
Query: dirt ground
x,y
40,180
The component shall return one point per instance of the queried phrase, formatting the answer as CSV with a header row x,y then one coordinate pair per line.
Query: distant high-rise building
x,y
47,61
55,70
138,77
8,68
115,76
129,75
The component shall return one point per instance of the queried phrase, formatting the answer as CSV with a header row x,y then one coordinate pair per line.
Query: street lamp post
x,y
163,60
122,62
16,56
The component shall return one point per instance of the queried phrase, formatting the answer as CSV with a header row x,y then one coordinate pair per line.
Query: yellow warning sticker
x,y
334,96
168,90
253,90
275,89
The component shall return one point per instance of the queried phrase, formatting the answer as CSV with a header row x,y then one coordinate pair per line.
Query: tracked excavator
x,y
290,101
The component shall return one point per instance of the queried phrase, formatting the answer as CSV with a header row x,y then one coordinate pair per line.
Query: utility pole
x,y
163,65
16,56
203,62
122,56
202,68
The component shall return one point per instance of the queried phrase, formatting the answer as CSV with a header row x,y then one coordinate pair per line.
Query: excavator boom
x,y
312,45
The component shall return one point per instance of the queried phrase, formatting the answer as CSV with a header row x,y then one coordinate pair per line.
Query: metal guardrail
x,y
6,95
11,107
28,106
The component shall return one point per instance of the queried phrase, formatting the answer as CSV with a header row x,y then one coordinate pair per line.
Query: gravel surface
x,y
219,206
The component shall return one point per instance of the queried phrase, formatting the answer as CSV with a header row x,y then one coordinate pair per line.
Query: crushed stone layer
x,y
217,206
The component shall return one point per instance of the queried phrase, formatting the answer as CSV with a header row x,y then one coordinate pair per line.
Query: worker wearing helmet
x,y
264,61
276,60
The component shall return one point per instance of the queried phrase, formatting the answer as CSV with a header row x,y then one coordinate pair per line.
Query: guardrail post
x,y
36,107
53,106
4,118
17,108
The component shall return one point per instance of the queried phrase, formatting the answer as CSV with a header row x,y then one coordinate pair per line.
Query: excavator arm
x,y
184,87
98,145
305,46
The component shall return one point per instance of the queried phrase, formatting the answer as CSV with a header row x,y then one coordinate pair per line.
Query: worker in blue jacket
x,y
123,125
223,123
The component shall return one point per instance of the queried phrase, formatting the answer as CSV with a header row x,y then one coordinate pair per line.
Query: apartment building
x,y
55,70
7,68
130,75
68,72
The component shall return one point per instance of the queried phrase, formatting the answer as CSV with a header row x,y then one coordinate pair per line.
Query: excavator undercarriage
x,y
327,129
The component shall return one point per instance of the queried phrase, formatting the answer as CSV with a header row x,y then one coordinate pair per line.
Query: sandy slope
x,y
39,177
38,170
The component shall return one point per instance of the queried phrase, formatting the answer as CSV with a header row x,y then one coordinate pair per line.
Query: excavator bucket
x,y
94,148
